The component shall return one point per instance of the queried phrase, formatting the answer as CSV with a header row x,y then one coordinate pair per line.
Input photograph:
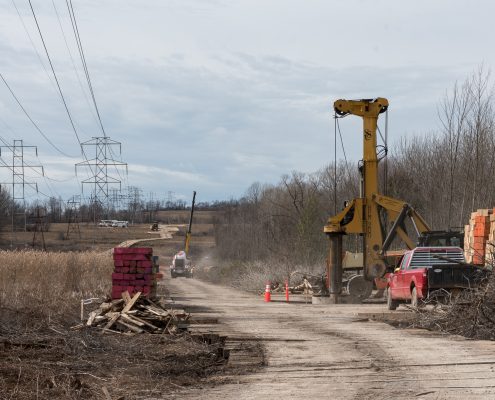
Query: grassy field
x,y
182,217
42,358
52,283
40,295
93,238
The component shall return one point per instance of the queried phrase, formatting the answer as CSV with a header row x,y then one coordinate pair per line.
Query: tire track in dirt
x,y
322,350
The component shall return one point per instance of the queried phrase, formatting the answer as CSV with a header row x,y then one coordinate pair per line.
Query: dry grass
x,y
41,358
253,276
92,238
182,216
52,284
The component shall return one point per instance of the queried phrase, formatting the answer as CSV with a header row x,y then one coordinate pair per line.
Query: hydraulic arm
x,y
362,215
189,228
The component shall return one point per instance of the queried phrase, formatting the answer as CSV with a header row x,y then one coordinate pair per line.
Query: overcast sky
x,y
212,95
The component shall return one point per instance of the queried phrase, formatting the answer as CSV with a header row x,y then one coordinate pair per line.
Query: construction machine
x,y
181,262
189,228
364,215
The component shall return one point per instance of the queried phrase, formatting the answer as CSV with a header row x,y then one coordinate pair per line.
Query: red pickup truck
x,y
430,272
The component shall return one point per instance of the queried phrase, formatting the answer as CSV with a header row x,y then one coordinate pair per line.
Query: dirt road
x,y
328,352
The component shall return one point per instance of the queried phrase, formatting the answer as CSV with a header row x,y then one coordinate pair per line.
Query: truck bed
x,y
450,276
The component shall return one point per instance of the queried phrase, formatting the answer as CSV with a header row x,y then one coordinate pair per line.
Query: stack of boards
x,y
479,237
134,271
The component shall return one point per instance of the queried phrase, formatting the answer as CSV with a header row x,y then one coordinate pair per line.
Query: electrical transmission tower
x,y
134,202
72,211
116,199
101,179
151,206
18,166
39,227
170,198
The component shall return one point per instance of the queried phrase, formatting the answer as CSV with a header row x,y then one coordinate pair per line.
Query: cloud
x,y
213,95
154,173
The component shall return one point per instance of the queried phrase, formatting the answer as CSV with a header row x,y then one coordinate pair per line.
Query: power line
x,y
101,189
33,45
58,84
18,180
83,59
30,119
73,62
116,167
101,178
46,177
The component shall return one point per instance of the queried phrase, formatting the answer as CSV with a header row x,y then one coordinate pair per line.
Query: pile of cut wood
x,y
135,315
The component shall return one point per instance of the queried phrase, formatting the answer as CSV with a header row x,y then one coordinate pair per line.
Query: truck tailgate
x,y
455,276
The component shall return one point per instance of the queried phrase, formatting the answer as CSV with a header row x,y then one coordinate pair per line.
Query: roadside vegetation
x,y
444,174
41,357
471,314
51,285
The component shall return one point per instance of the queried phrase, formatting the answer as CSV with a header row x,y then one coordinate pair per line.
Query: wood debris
x,y
136,315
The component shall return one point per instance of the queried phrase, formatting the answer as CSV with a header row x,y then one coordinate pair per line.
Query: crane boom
x,y
189,228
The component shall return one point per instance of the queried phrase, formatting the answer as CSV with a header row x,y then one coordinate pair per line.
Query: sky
x,y
213,95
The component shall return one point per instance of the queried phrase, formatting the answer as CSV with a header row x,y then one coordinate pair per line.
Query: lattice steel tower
x,y
101,179
72,213
18,166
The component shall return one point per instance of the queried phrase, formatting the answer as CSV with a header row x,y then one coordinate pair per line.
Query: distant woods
x,y
444,174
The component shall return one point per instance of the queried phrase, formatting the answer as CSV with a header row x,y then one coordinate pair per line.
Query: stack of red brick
x,y
134,271
477,237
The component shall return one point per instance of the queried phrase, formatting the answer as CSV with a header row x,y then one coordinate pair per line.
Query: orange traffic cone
x,y
268,296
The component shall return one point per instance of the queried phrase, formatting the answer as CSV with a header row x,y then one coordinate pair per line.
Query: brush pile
x,y
135,315
471,314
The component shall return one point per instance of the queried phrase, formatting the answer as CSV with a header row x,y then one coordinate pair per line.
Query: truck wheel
x,y
172,275
415,301
391,304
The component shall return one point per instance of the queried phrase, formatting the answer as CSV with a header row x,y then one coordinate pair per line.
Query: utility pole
x,y
99,165
19,183
72,210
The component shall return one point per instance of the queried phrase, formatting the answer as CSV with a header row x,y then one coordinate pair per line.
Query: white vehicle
x,y
120,224
181,266
105,222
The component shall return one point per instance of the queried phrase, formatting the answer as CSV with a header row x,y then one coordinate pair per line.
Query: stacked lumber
x,y
490,243
134,271
476,236
135,315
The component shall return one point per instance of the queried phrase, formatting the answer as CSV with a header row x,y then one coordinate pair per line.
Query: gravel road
x,y
327,351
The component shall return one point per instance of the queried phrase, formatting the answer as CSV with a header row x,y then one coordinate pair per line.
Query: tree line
x,y
443,174
53,209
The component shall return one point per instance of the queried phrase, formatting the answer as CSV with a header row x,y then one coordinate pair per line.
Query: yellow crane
x,y
189,228
362,215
